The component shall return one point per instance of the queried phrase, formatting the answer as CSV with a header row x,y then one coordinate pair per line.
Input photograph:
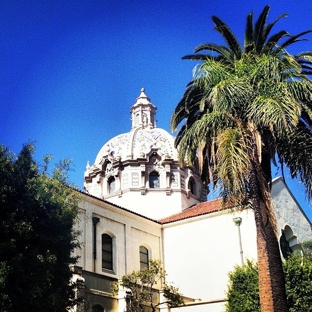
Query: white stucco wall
x,y
199,252
129,231
155,203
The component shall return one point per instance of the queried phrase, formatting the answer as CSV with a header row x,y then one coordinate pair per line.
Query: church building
x,y
140,204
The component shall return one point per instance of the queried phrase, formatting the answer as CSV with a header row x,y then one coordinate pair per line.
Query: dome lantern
x,y
143,112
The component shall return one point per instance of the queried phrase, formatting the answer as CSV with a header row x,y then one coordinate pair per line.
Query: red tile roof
x,y
194,211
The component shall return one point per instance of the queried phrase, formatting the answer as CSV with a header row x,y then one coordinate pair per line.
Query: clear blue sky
x,y
71,70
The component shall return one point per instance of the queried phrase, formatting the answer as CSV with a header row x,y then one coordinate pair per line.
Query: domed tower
x,y
139,170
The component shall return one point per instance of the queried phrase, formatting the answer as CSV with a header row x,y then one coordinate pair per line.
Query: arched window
x,y
285,248
111,185
97,308
192,186
143,257
107,252
154,180
289,242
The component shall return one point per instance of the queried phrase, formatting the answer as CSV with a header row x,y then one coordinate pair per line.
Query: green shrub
x,y
298,279
243,292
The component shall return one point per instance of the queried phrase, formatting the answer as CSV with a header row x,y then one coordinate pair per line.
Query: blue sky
x,y
71,70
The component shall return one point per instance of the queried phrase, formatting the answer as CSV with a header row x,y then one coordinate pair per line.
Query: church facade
x,y
140,204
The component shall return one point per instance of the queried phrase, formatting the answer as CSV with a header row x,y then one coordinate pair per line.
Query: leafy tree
x,y
243,289
247,108
141,294
37,213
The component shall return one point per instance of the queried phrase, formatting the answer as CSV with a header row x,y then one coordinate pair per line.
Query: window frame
x,y
144,252
192,186
111,182
285,246
152,178
107,253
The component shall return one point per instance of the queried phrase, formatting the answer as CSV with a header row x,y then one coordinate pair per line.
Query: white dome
x,y
140,169
137,143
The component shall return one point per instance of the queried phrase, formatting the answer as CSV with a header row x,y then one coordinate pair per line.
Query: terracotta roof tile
x,y
194,211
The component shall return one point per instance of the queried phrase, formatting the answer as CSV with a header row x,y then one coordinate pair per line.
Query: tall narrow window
x,y
154,180
111,185
143,257
107,252
173,179
192,186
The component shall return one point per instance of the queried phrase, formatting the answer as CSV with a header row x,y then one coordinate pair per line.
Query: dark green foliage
x,y
243,291
298,277
37,213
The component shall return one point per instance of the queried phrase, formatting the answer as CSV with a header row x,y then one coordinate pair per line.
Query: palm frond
x,y
232,161
293,39
210,73
277,36
230,95
196,57
301,90
304,55
305,61
276,109
272,42
188,105
249,31
260,27
306,117
295,151
197,141
228,35
221,50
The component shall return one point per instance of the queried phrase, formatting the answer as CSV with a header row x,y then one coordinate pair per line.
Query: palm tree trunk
x,y
271,276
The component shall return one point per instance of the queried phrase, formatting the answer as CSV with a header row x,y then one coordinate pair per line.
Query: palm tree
x,y
247,108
